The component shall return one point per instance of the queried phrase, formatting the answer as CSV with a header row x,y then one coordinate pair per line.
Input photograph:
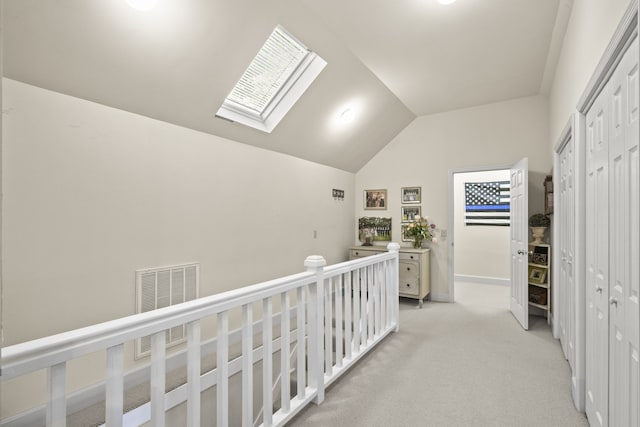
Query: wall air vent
x,y
161,287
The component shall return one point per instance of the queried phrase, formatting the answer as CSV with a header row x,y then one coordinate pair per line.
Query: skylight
x,y
276,78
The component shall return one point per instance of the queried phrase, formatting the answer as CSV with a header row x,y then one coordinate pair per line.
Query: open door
x,y
519,242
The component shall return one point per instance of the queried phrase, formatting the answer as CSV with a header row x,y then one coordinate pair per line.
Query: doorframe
x,y
452,232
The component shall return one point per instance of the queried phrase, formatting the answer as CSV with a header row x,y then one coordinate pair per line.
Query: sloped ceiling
x,y
388,60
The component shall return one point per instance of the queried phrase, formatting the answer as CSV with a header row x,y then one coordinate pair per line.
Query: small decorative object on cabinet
x,y
538,224
540,277
415,269
548,195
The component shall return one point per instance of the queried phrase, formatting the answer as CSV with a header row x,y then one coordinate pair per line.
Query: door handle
x,y
613,301
599,289
521,252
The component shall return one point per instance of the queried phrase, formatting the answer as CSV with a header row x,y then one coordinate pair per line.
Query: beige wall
x,y
93,193
589,30
424,153
480,251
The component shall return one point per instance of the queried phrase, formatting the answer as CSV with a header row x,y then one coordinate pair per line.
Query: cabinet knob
x,y
411,256
408,285
357,253
613,301
599,289
408,268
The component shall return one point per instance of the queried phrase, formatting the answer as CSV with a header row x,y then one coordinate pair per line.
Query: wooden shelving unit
x,y
540,277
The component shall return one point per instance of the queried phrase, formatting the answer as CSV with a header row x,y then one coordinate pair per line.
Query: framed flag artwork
x,y
488,203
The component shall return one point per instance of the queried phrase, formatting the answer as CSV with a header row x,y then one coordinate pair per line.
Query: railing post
x,y
315,264
395,248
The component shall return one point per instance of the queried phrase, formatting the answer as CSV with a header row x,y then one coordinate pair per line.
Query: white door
x,y
597,259
624,257
519,242
565,306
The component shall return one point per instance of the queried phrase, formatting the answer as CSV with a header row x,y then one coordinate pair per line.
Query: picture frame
x,y
403,232
374,229
375,199
411,194
408,213
537,275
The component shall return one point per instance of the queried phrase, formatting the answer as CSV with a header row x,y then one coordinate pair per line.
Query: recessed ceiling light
x,y
446,1
347,115
143,5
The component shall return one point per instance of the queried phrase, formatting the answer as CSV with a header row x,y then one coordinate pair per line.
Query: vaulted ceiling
x,y
390,61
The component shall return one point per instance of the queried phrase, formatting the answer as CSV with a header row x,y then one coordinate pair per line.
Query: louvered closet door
x,y
597,259
624,192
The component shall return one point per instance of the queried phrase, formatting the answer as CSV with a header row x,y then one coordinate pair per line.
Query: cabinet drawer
x,y
408,287
409,270
409,256
357,253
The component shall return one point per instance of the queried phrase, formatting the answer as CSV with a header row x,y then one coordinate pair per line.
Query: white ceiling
x,y
390,60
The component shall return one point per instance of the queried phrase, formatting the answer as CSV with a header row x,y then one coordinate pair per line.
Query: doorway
x,y
480,259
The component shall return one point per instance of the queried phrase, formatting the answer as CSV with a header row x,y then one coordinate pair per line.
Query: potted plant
x,y
538,224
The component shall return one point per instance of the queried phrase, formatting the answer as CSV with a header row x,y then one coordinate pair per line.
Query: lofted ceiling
x,y
390,61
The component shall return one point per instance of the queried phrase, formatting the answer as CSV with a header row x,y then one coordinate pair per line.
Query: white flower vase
x,y
538,234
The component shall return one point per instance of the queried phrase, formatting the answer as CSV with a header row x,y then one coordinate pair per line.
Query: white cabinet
x,y
415,269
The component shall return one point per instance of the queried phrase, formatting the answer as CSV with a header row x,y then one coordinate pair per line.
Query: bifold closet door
x,y
566,247
624,257
612,249
597,260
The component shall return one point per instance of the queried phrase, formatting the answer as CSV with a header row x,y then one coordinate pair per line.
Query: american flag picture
x,y
487,203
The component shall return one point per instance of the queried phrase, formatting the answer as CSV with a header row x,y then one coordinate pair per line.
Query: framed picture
x,y
537,275
405,238
408,213
411,194
375,199
374,229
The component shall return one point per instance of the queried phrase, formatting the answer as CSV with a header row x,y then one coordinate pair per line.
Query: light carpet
x,y
463,364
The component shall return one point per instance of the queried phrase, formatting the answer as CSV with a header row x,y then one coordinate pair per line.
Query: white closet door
x,y
597,259
623,260
566,247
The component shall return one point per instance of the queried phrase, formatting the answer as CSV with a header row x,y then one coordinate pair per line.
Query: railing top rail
x,y
30,356
20,359
347,266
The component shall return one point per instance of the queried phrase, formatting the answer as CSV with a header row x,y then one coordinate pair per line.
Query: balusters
x,y
300,339
222,370
193,374
114,386
158,379
370,299
57,404
267,362
247,365
356,311
328,328
339,325
347,315
285,346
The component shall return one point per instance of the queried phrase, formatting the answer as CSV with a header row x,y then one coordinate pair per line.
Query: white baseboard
x,y
439,297
482,279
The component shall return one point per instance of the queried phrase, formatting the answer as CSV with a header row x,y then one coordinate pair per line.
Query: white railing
x,y
328,318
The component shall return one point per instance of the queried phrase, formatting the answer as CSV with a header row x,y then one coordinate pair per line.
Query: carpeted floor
x,y
463,364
